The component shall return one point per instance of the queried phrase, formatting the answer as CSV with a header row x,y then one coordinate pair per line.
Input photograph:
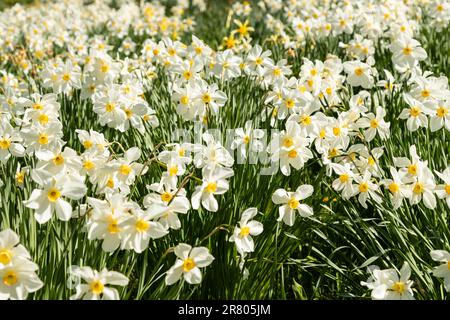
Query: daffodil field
x,y
214,149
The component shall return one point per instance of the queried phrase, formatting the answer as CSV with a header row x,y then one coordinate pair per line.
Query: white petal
x,y
182,250
256,227
280,196
174,273
63,210
194,276
440,255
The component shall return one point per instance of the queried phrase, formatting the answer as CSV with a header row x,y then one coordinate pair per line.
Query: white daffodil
x,y
277,71
39,138
443,190
10,248
104,68
185,98
242,235
429,88
69,77
289,103
359,74
442,271
108,220
416,113
52,198
21,174
374,124
212,155
406,50
58,161
359,102
136,113
423,189
139,229
389,84
91,164
388,285
365,188
109,106
227,65
40,109
214,183
176,167
257,61
440,116
291,203
18,279
370,160
169,202
127,167
209,98
397,187
344,183
410,166
95,283
308,119
290,148
188,264
248,140
93,141
10,142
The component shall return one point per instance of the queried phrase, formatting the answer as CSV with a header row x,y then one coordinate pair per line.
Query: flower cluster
x,y
92,94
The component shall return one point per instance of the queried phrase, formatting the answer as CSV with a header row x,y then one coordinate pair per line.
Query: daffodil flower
x,y
188,264
442,271
389,285
242,235
95,286
52,198
291,203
